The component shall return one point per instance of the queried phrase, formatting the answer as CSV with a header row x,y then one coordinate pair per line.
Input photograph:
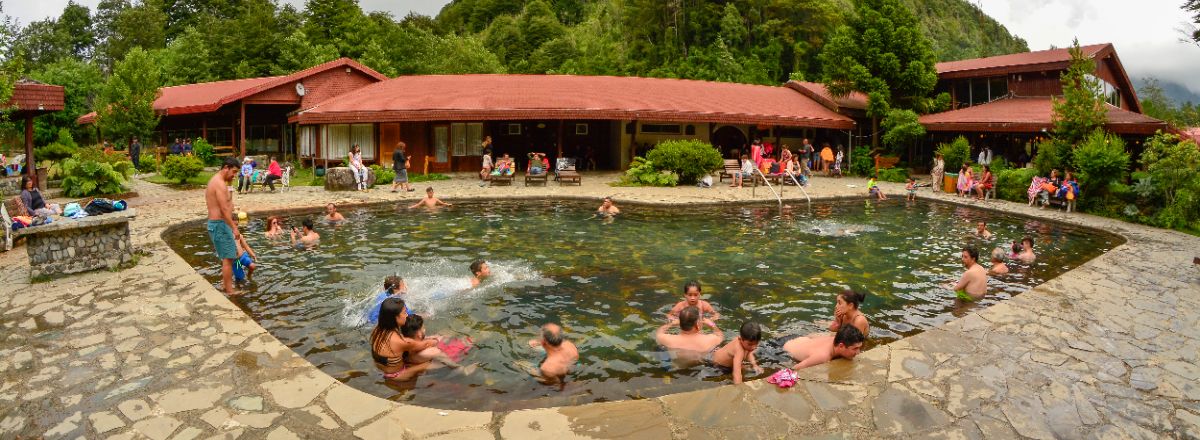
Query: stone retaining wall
x,y
71,246
10,186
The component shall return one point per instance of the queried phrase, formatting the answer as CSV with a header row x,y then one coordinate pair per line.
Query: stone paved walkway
x,y
1108,350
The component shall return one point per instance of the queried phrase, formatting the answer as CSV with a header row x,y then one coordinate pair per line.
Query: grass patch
x,y
417,178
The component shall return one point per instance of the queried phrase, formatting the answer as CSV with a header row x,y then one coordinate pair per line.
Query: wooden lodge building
x,y
317,114
1005,102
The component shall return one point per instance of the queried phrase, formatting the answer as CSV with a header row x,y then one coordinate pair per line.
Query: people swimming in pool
x,y
998,266
429,201
561,355
691,343
973,284
740,349
306,238
1024,252
846,312
332,215
429,357
389,346
479,272
981,231
393,286
607,208
691,298
819,349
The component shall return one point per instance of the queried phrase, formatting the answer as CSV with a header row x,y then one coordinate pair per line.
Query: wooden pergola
x,y
31,99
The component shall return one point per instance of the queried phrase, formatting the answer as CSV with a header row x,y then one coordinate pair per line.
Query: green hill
x,y
754,41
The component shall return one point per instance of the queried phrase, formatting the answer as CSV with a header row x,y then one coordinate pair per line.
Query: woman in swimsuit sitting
x,y
389,347
846,312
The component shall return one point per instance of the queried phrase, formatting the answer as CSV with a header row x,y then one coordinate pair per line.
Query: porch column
x,y
633,141
778,140
30,164
204,129
242,128
560,137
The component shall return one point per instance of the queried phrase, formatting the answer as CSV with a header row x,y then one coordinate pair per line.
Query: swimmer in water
x,y
819,349
846,312
561,355
981,231
998,266
429,201
740,349
1026,254
690,344
306,238
691,298
607,208
332,215
479,271
973,284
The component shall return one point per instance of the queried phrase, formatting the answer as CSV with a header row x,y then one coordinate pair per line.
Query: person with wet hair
x,y
740,349
846,312
389,346
561,355
819,349
1026,254
973,284
691,298
306,238
480,270
690,342
393,286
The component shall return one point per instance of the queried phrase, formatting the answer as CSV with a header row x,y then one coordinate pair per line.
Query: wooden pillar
x,y
204,129
778,141
633,141
30,164
242,128
560,137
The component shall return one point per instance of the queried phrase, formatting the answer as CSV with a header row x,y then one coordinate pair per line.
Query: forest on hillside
x,y
190,41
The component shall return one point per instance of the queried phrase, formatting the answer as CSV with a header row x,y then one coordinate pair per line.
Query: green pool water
x,y
610,284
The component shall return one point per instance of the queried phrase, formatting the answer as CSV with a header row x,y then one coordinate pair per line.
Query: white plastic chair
x,y
285,181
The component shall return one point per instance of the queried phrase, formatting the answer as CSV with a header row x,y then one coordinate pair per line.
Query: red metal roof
x,y
492,97
1027,115
32,97
820,93
1053,59
208,97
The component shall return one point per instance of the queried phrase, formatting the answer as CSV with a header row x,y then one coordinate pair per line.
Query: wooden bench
x,y
500,179
542,178
223,150
732,167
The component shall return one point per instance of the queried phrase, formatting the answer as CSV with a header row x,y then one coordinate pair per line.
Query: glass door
x,y
441,143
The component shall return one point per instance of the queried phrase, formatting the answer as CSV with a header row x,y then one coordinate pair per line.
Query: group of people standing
x,y
763,158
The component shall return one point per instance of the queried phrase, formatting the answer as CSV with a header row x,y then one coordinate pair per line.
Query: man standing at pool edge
x,y
221,229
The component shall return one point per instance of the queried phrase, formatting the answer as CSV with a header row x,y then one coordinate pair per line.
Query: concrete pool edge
x,y
854,398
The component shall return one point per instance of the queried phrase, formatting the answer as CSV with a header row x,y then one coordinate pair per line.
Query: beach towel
x,y
784,378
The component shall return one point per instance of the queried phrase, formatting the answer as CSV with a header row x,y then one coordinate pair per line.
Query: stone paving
x,y
1108,350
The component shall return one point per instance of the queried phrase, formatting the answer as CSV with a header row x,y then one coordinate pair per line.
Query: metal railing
x,y
764,178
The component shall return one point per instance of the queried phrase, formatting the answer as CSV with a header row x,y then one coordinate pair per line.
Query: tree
x,y
1193,7
187,60
81,81
142,26
1082,109
882,53
125,107
297,53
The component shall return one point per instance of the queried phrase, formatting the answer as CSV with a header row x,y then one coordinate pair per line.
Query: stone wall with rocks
x,y
10,186
70,246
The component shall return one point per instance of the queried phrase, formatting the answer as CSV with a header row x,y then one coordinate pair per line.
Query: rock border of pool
x,y
156,351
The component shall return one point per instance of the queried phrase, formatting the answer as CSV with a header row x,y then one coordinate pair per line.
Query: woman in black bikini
x,y
389,347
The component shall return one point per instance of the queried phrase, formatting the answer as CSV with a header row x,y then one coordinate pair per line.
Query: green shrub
x,y
862,165
898,175
1051,155
955,153
147,162
204,150
182,168
1013,184
54,152
999,164
643,172
383,175
1099,161
1173,168
85,177
689,159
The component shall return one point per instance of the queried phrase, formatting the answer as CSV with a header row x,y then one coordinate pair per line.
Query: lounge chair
x,y
500,179
732,167
565,172
542,177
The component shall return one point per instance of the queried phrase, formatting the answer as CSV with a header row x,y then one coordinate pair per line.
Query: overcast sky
x,y
1142,30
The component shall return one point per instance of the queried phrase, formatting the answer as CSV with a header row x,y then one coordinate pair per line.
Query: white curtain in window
x,y
308,140
475,139
458,136
337,142
364,136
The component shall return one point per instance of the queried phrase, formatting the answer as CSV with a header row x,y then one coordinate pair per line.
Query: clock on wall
x,y
300,89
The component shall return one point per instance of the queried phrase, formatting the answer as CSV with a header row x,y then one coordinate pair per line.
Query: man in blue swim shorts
x,y
221,228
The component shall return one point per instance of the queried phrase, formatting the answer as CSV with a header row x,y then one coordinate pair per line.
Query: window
x,y
962,93
441,144
308,140
466,138
979,91
690,130
475,139
581,129
661,128
221,136
458,137
337,141
263,139
514,129
997,87
363,135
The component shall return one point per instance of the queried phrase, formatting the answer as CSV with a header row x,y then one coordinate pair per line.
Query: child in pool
x,y
243,266
740,349
911,187
414,329
691,298
393,286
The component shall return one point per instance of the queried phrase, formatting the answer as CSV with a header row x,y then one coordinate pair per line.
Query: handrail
x,y
798,185
764,177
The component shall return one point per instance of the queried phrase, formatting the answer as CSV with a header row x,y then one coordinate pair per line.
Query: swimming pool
x,y
610,284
